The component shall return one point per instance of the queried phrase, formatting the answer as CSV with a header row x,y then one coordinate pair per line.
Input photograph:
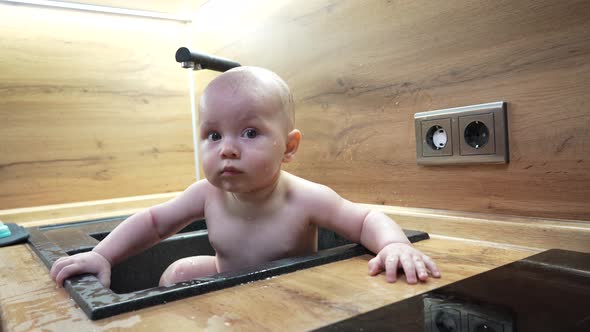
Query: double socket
x,y
453,314
462,135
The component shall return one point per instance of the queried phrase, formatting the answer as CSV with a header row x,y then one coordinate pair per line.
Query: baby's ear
x,y
293,139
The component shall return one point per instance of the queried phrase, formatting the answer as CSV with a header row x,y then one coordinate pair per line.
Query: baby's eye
x,y
214,136
250,133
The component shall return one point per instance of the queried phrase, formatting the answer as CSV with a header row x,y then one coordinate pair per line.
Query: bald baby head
x,y
255,85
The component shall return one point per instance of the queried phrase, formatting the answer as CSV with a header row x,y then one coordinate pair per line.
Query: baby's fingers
x,y
409,268
431,266
58,265
67,272
391,264
420,268
375,266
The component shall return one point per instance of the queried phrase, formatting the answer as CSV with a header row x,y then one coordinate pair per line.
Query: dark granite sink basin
x,y
134,282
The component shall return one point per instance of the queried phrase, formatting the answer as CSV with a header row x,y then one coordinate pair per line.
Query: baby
x,y
255,212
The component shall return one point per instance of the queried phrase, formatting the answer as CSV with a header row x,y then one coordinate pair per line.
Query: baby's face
x,y
242,136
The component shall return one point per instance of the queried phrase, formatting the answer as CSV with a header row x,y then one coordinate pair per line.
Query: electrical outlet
x,y
454,315
469,134
437,134
478,134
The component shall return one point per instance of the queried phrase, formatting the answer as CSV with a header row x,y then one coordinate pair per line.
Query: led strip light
x,y
100,9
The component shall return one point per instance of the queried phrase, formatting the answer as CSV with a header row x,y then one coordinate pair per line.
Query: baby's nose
x,y
229,151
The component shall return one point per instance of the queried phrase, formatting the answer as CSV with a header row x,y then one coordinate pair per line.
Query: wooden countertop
x,y
303,300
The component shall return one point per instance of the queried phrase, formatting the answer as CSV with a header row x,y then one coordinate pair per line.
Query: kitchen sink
x,y
134,282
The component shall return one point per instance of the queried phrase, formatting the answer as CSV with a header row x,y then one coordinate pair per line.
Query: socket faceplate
x,y
476,134
454,314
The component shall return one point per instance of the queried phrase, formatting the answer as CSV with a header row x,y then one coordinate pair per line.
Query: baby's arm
x,y
376,232
137,233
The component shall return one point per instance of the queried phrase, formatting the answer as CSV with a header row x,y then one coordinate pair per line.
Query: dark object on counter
x,y
18,234
549,291
197,60
134,282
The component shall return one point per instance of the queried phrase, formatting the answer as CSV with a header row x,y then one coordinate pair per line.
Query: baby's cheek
x,y
208,164
267,164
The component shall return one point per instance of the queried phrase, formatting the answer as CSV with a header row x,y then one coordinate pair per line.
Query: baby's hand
x,y
414,263
88,262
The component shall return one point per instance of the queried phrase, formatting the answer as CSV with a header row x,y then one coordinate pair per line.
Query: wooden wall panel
x,y
360,70
92,106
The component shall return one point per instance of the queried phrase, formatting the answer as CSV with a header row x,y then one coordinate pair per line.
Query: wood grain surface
x,y
540,233
508,230
303,300
71,212
360,70
92,106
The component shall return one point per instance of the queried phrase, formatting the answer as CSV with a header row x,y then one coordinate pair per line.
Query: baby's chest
x,y
267,237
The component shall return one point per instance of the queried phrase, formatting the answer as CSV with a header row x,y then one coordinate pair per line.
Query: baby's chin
x,y
233,186
241,188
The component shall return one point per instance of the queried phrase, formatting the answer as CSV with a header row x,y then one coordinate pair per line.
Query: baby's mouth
x,y
229,171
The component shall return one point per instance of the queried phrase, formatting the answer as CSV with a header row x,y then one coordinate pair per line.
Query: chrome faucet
x,y
198,61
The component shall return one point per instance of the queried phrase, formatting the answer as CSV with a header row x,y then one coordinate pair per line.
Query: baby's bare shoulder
x,y
309,192
319,202
201,188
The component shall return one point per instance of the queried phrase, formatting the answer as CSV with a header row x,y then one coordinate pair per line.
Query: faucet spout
x,y
197,61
